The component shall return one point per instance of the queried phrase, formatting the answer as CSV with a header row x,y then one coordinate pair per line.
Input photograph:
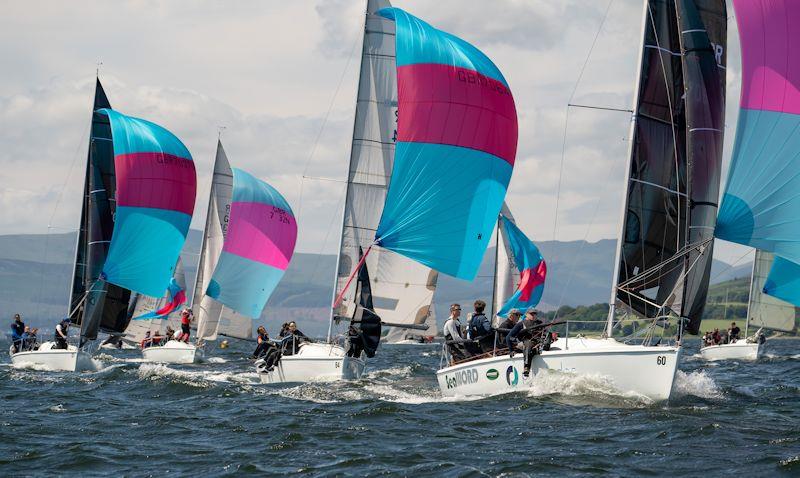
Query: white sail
x,y
506,273
402,290
208,312
764,310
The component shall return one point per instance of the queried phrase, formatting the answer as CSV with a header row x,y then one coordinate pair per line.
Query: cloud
x,y
270,73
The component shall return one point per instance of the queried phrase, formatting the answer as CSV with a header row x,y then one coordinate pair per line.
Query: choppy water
x,y
215,419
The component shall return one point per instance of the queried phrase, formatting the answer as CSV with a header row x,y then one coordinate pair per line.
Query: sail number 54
x,y
661,360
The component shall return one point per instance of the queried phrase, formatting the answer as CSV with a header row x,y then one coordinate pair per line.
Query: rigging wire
x,y
566,115
50,226
305,176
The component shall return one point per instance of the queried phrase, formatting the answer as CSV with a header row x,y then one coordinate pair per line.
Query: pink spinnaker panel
x,y
156,180
261,233
770,54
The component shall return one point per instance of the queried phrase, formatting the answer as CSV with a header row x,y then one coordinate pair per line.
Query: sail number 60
x,y
661,360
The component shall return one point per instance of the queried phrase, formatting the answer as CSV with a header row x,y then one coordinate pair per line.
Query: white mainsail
x,y
212,317
506,275
764,310
402,290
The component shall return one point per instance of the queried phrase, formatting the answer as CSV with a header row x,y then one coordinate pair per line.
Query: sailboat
x,y
762,194
139,191
665,242
763,311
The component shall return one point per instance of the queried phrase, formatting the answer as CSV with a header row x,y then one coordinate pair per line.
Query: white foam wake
x,y
697,384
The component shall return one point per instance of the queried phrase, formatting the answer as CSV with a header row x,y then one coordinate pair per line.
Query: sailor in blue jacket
x,y
17,332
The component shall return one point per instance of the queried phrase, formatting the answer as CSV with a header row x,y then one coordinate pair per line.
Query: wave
x,y
697,384
156,372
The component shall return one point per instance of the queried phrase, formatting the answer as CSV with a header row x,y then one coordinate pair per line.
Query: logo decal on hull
x,y
462,377
492,374
512,377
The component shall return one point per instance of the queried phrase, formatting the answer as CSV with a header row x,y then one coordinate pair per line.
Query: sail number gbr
x,y
661,360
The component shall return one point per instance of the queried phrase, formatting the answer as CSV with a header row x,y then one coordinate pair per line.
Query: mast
x,y
612,303
336,274
496,262
750,292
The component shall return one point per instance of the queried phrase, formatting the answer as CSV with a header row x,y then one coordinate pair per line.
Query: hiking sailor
x,y
733,333
528,332
62,331
452,334
291,341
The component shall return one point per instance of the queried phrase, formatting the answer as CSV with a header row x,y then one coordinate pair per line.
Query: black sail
x,y
676,154
703,24
368,322
105,306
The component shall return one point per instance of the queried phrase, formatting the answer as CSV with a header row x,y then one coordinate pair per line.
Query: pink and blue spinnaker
x,y
262,233
456,145
531,266
156,187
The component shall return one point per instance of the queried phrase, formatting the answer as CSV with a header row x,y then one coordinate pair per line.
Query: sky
x,y
277,80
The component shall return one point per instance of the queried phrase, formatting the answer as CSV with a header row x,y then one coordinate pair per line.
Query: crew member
x,y
733,333
528,332
452,334
505,326
356,342
480,330
62,330
17,330
291,341
186,321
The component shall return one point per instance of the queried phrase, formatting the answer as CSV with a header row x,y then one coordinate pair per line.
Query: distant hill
x,y
35,276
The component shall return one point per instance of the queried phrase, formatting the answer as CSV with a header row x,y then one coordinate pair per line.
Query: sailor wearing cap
x,y
525,331
505,326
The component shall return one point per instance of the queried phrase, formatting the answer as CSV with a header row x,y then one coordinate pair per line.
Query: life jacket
x,y
17,328
185,320
64,330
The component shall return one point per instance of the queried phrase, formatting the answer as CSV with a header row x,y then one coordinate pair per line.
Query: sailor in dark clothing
x,y
62,331
505,326
292,340
17,331
284,330
733,333
263,342
267,349
528,332
356,342
480,330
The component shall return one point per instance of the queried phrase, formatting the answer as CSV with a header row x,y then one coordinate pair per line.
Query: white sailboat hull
x,y
741,350
315,362
647,371
173,352
70,359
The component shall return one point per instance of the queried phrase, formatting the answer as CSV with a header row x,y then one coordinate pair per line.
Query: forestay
x,y
782,280
259,244
455,150
156,187
762,196
402,289
676,150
